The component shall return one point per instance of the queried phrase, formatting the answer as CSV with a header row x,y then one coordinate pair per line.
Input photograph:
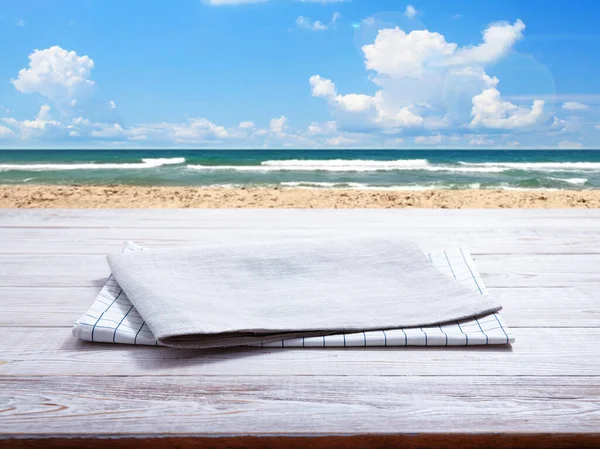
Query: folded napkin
x,y
112,318
259,293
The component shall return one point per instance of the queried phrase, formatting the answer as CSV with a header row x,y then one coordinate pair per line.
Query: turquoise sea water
x,y
359,169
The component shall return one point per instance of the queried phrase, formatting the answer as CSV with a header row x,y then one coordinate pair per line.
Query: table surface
x,y
543,266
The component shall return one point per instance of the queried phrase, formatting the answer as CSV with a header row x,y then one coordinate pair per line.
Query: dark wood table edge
x,y
267,441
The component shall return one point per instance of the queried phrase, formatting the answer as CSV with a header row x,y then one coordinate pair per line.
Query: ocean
x,y
354,169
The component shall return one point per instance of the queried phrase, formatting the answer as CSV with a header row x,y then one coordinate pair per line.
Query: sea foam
x,y
146,163
341,165
335,165
537,166
573,181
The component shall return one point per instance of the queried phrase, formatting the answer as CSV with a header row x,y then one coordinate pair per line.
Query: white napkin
x,y
333,292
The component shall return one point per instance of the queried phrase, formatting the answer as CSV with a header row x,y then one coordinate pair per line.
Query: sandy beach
x,y
120,196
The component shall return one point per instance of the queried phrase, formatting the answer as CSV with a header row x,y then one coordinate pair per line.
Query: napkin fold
x,y
251,293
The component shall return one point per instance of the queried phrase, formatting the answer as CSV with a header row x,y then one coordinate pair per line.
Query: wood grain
x,y
539,351
298,218
482,240
220,406
544,391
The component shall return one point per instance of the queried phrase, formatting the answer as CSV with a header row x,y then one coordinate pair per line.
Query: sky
x,y
299,74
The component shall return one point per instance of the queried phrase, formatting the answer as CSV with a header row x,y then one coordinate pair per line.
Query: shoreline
x,y
127,196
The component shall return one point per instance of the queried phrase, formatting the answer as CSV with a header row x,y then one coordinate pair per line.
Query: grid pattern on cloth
x,y
113,319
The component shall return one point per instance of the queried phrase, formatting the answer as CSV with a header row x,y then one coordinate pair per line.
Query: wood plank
x,y
234,405
546,385
523,307
44,306
297,218
538,351
483,240
90,270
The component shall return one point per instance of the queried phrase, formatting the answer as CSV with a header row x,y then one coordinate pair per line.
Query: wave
x,y
352,165
358,165
316,185
573,181
338,165
537,166
523,189
145,163
341,165
364,186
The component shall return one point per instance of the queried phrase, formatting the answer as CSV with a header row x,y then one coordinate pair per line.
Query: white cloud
x,y
398,54
246,125
81,121
429,140
6,132
558,123
426,82
198,129
393,143
360,103
490,111
574,106
326,128
322,87
422,85
410,12
193,131
277,125
306,24
341,141
569,145
41,126
480,141
108,131
498,39
20,22
44,114
56,74
355,102
325,88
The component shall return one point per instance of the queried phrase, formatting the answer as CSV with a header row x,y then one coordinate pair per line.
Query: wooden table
x,y
542,265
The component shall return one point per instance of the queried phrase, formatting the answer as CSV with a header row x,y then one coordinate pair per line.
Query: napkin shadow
x,y
163,357
99,283
152,358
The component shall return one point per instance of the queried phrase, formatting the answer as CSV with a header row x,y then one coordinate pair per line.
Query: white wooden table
x,y
542,265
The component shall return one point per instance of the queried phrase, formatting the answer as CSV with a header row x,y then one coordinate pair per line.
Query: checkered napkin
x,y
112,318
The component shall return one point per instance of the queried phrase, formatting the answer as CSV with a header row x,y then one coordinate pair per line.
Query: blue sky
x,y
299,74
